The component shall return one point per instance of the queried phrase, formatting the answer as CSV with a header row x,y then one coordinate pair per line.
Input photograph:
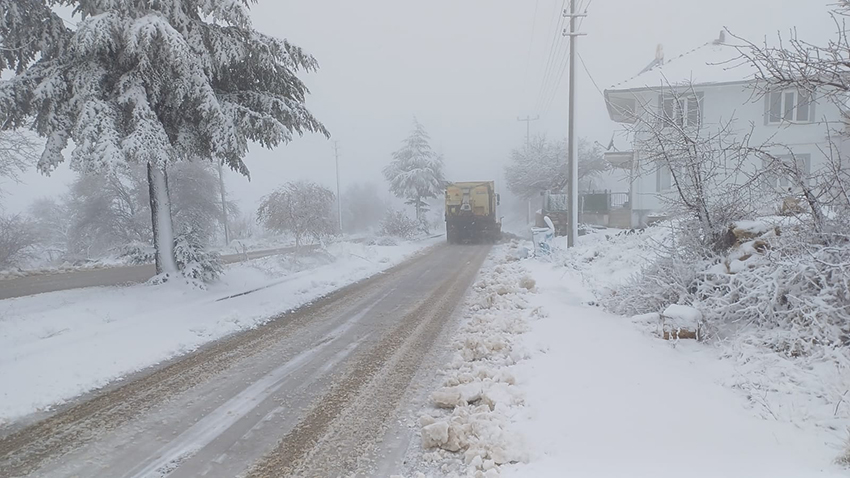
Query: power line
x,y
555,46
530,45
583,64
554,87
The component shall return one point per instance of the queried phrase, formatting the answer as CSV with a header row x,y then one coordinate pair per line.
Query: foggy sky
x,y
463,68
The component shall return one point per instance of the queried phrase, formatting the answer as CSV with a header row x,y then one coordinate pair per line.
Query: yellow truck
x,y
471,212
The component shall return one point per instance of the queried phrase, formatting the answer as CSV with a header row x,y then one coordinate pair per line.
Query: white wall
x,y
738,102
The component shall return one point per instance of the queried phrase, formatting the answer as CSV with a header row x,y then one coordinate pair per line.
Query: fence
x,y
602,202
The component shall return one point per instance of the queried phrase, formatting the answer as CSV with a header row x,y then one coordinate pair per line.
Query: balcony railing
x,y
602,202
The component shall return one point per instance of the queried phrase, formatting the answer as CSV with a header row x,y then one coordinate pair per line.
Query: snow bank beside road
x,y
466,432
56,346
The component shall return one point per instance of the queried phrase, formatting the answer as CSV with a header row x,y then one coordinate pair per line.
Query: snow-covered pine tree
x,y
416,171
150,83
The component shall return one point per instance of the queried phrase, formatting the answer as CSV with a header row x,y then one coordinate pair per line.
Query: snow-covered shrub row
x,y
785,282
466,431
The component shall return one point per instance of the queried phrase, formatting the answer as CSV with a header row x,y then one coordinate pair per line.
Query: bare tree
x,y
541,165
398,224
111,209
304,209
51,219
17,153
17,240
823,71
195,199
817,74
705,164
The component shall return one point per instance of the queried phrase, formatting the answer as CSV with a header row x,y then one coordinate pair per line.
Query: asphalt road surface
x,y
39,284
316,392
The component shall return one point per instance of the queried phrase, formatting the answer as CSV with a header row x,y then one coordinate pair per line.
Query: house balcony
x,y
605,208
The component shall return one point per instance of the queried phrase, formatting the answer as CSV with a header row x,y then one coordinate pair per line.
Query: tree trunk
x,y
163,232
223,204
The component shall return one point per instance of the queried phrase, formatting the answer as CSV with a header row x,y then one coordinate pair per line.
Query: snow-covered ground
x,y
56,346
42,262
606,399
546,383
42,267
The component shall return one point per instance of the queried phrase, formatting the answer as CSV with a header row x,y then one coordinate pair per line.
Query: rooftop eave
x,y
644,89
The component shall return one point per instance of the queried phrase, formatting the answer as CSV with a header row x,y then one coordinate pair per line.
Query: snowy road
x,y
42,283
308,394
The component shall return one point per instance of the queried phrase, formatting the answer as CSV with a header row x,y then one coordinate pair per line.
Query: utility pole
x,y
528,120
572,160
223,204
338,197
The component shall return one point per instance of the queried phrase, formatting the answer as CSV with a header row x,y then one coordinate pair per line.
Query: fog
x,y
466,70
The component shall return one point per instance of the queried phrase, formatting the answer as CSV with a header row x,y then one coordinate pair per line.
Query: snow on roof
x,y
710,63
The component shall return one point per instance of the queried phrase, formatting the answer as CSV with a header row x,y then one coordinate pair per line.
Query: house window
x,y
682,111
789,106
784,180
663,179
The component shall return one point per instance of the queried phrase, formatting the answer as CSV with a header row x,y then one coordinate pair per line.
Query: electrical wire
x,y
530,45
555,87
586,70
553,49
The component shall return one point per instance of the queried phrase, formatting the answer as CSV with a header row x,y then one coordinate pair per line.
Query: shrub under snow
x,y
398,224
195,263
17,238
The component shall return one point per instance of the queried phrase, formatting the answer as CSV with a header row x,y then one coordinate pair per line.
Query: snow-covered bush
x,y
137,253
303,208
382,241
195,263
398,224
17,239
793,285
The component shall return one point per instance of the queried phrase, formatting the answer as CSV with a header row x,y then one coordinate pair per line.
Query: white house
x,y
712,88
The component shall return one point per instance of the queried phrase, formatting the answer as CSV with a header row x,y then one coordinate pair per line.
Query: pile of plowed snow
x,y
467,432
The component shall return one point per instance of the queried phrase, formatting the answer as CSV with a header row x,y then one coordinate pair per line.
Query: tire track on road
x,y
341,429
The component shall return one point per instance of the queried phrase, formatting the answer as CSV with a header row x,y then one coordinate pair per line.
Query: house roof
x,y
710,63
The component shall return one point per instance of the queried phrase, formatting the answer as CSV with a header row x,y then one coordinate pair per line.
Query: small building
x,y
706,87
